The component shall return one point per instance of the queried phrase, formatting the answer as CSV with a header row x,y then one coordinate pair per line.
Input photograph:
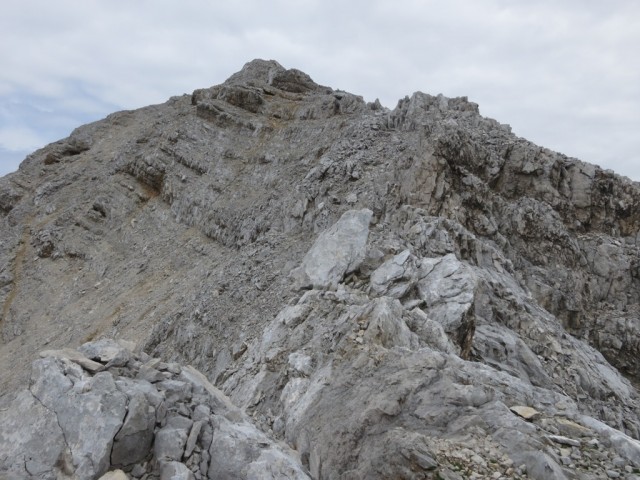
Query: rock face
x,y
407,293
74,423
337,251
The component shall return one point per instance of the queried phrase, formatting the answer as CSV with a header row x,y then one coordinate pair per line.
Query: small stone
x,y
175,390
351,198
150,374
75,357
564,440
114,475
619,462
612,474
201,412
169,443
192,439
174,368
138,470
564,452
572,429
527,413
301,363
175,471
152,362
107,351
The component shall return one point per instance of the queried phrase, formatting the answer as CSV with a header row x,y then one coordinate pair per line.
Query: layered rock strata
x,y
382,290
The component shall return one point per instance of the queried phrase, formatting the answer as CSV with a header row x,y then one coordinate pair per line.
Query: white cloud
x,y
20,139
566,73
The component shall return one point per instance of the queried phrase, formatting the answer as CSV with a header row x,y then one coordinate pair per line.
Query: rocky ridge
x,y
383,291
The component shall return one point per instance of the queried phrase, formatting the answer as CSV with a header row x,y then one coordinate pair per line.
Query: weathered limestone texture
x,y
318,287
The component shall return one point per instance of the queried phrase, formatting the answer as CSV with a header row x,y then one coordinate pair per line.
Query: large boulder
x,y
337,251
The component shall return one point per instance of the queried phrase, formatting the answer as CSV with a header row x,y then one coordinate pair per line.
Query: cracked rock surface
x,y
76,424
406,293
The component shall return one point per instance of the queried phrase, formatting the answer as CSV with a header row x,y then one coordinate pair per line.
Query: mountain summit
x,y
359,292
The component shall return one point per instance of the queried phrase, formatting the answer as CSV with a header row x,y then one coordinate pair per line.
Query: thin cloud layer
x,y
564,74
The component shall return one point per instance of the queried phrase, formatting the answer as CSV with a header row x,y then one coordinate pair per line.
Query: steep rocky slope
x,y
375,288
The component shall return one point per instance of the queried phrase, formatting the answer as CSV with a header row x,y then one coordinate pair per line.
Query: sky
x,y
564,74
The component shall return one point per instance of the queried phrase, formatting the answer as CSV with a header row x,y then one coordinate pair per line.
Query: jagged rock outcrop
x,y
383,290
134,414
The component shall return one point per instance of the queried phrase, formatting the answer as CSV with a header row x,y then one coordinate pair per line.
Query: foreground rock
x,y
391,349
140,419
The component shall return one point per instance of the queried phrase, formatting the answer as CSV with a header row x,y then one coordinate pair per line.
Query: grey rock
x,y
564,440
241,451
387,327
169,443
75,357
150,374
201,412
219,403
393,271
625,446
22,452
175,471
114,475
192,438
337,251
107,351
133,442
89,420
301,363
447,288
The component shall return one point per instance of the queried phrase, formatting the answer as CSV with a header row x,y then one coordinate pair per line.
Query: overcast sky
x,y
564,74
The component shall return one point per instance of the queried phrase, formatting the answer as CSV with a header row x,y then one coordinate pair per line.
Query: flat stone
x,y
193,438
114,475
564,440
571,428
106,351
175,390
76,357
175,471
528,413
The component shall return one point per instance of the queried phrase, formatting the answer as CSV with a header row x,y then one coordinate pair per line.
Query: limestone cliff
x,y
384,291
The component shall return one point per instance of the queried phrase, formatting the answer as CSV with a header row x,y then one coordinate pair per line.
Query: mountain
x,y
371,293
